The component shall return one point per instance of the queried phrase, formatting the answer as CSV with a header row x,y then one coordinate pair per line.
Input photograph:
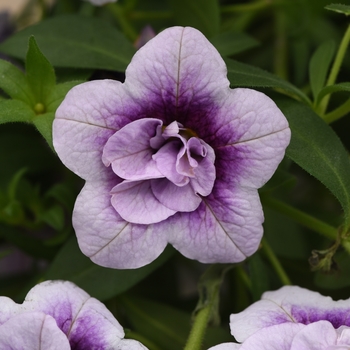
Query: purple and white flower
x,y
173,155
291,318
57,315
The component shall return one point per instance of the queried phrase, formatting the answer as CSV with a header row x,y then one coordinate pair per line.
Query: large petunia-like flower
x,y
173,155
292,318
57,315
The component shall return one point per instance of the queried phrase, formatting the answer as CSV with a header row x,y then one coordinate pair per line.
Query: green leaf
x,y
54,217
319,66
43,122
244,75
14,83
317,149
39,73
58,94
333,88
232,42
340,8
201,14
15,111
74,41
102,283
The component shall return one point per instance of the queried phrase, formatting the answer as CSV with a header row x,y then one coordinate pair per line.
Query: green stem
x,y
254,6
195,339
337,113
275,263
302,218
281,57
335,68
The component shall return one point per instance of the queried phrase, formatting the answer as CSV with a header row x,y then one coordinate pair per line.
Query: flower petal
x,y
109,240
278,337
249,136
177,198
226,346
33,330
130,153
86,321
135,202
177,74
226,227
87,117
289,304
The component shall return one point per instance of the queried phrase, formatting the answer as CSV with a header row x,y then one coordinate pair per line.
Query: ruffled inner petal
x,y
175,197
129,150
135,202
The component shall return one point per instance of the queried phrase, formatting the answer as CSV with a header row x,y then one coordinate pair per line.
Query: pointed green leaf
x,y
15,111
244,75
317,149
232,42
319,66
74,41
14,83
43,122
39,73
201,14
58,94
333,88
340,8
102,283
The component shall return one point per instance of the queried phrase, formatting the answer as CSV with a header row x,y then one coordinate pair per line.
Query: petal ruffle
x,y
33,330
130,153
226,227
109,240
135,203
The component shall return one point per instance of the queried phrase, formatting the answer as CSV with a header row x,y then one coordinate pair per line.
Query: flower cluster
x,y
58,315
173,155
292,318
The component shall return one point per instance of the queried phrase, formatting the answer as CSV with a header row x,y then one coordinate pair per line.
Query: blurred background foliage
x,y
268,45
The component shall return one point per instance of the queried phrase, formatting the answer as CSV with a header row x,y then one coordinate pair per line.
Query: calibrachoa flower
x,y
292,318
172,155
57,315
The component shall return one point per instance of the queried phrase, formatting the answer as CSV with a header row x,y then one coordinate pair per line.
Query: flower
x,y
57,315
172,155
100,2
291,318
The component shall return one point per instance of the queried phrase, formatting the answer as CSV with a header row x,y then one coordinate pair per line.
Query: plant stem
x,y
275,263
335,68
281,57
196,336
337,113
302,218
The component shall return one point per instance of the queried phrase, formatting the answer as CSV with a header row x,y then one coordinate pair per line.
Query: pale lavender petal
x,y
33,330
86,321
87,117
174,197
278,337
8,308
166,159
178,75
226,227
135,202
343,333
129,150
249,135
130,344
316,336
289,304
109,240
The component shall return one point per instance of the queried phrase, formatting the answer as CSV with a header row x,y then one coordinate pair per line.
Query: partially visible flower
x,y
291,318
57,315
172,155
100,2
